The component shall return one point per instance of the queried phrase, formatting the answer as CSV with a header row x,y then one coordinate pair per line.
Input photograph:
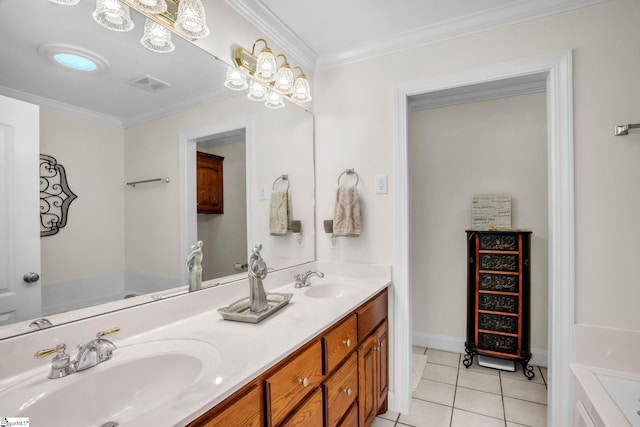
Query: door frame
x,y
557,66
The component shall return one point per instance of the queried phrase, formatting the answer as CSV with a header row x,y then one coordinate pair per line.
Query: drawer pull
x,y
347,342
304,382
376,347
347,391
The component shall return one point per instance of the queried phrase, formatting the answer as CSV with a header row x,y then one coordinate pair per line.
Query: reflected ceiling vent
x,y
149,83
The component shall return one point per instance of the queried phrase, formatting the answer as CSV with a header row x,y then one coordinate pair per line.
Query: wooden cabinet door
x,y
209,183
382,362
367,393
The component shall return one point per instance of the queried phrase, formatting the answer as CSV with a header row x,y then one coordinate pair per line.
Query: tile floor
x,y
450,395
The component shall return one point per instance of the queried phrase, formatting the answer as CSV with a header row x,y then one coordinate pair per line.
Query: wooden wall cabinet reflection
x,y
209,173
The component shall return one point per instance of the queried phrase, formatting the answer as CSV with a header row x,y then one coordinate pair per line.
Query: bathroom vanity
x,y
321,360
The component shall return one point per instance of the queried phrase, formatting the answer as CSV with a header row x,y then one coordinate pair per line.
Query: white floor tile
x,y
527,413
441,373
426,414
390,415
443,357
479,402
510,424
524,390
477,380
419,350
435,392
381,422
468,419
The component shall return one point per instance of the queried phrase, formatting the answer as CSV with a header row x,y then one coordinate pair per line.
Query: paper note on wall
x,y
491,211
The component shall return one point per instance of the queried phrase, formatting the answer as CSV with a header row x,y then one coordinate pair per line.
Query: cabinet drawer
x,y
246,411
499,282
286,388
371,314
341,390
499,262
499,241
351,418
309,414
498,323
502,303
498,343
339,342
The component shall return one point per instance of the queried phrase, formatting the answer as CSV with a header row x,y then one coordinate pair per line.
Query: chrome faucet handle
x,y
103,346
61,364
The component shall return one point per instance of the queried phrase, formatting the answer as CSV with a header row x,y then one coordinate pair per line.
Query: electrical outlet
x,y
262,192
381,184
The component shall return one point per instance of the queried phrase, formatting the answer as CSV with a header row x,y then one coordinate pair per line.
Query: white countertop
x,y
245,350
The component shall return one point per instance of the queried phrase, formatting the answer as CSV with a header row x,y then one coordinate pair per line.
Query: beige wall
x,y
495,146
225,235
92,241
355,128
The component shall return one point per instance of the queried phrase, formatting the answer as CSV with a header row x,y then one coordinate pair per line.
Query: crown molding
x,y
276,31
517,12
476,94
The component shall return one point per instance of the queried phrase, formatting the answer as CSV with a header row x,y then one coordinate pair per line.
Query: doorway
x,y
556,68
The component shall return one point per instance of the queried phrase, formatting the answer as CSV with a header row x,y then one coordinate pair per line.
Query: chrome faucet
x,y
302,280
257,272
89,355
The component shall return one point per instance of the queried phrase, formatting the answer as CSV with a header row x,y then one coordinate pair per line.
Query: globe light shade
x,y
301,90
192,20
257,91
156,38
266,66
274,100
150,6
113,15
236,79
283,82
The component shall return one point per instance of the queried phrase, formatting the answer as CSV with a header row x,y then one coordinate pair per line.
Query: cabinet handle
x,y
346,342
304,382
376,348
347,391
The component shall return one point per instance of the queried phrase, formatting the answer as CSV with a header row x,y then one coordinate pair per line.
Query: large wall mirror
x,y
143,117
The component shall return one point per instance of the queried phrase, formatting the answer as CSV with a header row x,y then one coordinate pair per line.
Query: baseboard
x,y
456,345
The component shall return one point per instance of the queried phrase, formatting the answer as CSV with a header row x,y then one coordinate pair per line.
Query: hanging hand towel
x,y
280,214
346,216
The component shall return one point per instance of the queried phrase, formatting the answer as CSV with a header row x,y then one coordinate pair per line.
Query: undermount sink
x,y
321,289
138,380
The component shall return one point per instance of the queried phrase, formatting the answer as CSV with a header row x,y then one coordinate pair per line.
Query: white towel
x,y
346,215
280,214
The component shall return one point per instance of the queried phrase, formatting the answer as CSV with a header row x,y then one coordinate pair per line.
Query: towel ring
x,y
350,171
284,178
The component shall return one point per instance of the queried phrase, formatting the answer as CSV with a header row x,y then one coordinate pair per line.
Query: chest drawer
x,y
293,381
499,282
371,314
498,323
498,343
341,390
499,262
339,342
496,302
499,242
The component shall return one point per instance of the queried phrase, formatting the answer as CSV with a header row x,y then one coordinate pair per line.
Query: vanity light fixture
x,y
283,82
236,79
274,85
191,21
265,64
150,6
156,38
65,2
113,15
274,100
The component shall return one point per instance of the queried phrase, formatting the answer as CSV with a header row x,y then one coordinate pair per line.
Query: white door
x,y
19,210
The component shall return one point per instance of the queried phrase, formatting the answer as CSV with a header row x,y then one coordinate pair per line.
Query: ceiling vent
x,y
149,83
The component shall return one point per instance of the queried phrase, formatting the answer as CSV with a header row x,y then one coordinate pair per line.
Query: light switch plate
x,y
381,184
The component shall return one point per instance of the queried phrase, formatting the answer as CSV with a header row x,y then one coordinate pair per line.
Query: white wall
x,y
358,131
92,242
494,146
225,235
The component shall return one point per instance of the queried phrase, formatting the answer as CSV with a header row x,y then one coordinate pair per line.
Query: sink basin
x,y
138,380
321,289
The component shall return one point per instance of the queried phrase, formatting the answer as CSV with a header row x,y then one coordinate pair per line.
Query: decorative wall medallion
x,y
55,196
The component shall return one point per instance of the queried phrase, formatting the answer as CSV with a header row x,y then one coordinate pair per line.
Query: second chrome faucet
x,y
302,279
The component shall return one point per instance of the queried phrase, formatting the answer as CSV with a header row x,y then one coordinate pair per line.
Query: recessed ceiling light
x,y
72,57
76,62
